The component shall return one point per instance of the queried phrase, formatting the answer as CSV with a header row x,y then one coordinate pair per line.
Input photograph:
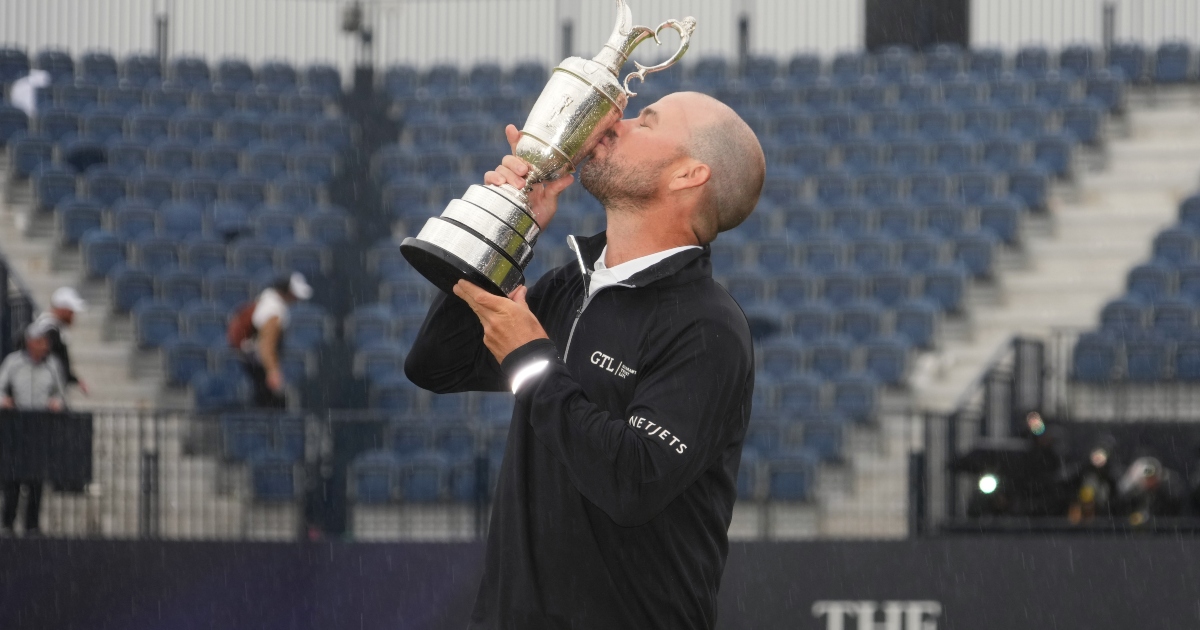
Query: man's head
x,y
293,288
65,302
36,343
689,150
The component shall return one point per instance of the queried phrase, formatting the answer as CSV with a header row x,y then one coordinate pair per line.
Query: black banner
x,y
951,584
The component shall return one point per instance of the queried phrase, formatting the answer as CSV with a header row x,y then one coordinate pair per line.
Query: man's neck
x,y
631,235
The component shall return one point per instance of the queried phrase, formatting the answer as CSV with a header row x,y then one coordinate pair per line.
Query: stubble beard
x,y
619,185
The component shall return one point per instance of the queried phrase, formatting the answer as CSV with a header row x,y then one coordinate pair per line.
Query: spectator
x,y
30,379
65,303
23,94
258,331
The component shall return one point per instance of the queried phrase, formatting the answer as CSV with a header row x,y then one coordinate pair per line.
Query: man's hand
x,y
82,386
6,402
543,199
275,380
54,405
508,324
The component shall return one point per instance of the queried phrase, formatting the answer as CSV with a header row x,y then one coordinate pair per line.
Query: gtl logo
x,y
868,615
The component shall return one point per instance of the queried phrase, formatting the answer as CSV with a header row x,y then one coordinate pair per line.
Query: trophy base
x,y
443,268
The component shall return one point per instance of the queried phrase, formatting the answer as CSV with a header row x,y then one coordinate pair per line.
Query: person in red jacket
x,y
633,372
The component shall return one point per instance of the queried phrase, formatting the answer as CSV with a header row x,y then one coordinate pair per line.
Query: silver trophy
x,y
487,236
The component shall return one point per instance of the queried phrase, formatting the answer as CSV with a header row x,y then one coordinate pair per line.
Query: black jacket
x,y
618,481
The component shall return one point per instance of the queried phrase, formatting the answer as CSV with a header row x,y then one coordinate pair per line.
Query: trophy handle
x,y
685,28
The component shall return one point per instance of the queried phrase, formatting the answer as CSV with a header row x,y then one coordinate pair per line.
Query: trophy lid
x,y
625,37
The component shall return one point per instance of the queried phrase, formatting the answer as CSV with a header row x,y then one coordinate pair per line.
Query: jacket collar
x,y
685,266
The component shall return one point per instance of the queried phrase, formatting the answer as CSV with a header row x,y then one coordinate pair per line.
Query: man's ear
x,y
690,175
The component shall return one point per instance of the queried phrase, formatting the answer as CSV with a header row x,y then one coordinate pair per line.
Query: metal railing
x,y
17,308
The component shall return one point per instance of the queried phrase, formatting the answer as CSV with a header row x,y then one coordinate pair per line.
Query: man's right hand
x,y
6,402
543,199
275,380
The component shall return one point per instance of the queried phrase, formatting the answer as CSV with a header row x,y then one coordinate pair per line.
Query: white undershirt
x,y
270,304
603,276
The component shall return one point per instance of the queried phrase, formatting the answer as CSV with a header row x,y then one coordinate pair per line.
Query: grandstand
x,y
923,206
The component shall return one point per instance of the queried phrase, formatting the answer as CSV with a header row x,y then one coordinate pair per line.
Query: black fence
x,y
17,308
1029,449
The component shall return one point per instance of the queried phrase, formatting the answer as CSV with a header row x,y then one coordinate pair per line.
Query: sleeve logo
x,y
658,431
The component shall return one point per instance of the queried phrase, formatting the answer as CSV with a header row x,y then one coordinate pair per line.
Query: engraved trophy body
x,y
487,235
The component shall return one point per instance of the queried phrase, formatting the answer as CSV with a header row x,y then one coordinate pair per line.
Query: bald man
x,y
633,372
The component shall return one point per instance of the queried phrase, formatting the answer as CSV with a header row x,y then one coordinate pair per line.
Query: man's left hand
x,y
54,405
508,323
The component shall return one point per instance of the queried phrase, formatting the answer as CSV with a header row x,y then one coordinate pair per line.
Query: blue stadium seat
x,y
1123,315
963,91
891,123
101,125
833,187
287,130
747,288
308,328
242,129
126,156
259,101
1189,282
860,320
296,191
99,68
841,124
373,477
900,219
847,67
976,252
812,320
1130,59
310,259
1085,123
918,91
1094,358
400,81
929,186
804,156
774,255
866,94
52,186
1032,61
218,392
167,99
304,103
917,321
800,394
890,287
442,79
180,220
1054,90
978,185
379,360
1004,152
879,187
955,154
790,475
246,190
854,396
233,74
315,163
334,133
1029,121
57,63
327,225
803,69
155,253
141,70
102,251
13,121
229,219
122,99
190,72
14,64
1146,358
205,323
946,286
198,187
759,71
133,218
894,64
726,256
1150,282
1173,318
58,124
273,477
171,157
886,360
1077,60
266,160
1187,359
228,289
178,288
1173,63
794,288
984,121
802,221
130,286
935,121
1001,217
862,155
1032,186
1175,246
920,252
1189,212
823,253
147,126
183,359
764,435
217,102
369,324
423,478
843,286
104,186
824,437
986,63
273,225
409,437
192,128
1056,154
780,358
1010,92
909,154
252,256
831,356
154,324
77,217
151,186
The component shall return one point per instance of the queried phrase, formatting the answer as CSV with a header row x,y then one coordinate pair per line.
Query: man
x,y
259,330
30,379
633,372
65,303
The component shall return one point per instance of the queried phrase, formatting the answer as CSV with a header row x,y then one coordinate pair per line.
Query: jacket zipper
x,y
587,282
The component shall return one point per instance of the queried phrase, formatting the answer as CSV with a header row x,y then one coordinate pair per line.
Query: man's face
x,y
630,161
37,347
64,315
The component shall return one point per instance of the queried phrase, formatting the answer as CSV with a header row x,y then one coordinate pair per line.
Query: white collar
x,y
604,276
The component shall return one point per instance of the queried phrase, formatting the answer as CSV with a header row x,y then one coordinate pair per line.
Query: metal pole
x,y
568,38
161,23
743,39
1110,25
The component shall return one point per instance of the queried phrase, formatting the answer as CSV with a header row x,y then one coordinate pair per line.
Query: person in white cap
x,y
262,345
65,303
